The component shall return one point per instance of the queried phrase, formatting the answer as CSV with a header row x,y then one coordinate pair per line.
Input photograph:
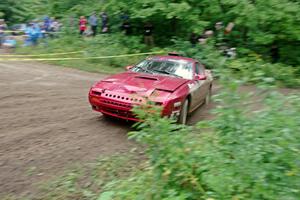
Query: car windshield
x,y
177,68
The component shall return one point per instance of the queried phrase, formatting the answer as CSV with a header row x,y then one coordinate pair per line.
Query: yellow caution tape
x,y
83,58
12,31
46,54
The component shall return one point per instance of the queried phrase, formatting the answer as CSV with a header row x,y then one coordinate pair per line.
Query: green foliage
x,y
258,71
86,181
258,23
172,163
251,69
21,10
240,154
254,154
102,45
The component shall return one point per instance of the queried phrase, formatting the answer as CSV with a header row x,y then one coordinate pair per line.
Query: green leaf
x,y
106,195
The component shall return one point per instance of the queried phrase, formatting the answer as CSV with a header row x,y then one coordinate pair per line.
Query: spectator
x,y
43,31
93,21
209,33
55,26
104,19
9,44
126,27
274,53
219,26
229,28
33,33
193,39
47,23
148,34
82,25
231,53
202,40
3,27
37,29
45,34
219,34
124,16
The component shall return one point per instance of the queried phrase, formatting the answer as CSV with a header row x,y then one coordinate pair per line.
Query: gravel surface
x,y
47,125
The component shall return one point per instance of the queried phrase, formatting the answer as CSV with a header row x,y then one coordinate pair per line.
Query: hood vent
x,y
107,81
147,77
163,90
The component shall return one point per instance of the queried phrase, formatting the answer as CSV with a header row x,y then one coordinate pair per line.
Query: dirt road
x,y
46,125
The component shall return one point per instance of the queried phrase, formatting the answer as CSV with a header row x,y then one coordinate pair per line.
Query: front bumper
x,y
117,104
115,112
109,105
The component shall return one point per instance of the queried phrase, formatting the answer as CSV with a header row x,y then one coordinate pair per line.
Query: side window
x,y
199,69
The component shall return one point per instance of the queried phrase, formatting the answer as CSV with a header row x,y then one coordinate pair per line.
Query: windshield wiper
x,y
165,72
146,70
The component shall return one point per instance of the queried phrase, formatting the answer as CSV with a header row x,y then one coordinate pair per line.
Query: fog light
x,y
175,114
177,104
96,107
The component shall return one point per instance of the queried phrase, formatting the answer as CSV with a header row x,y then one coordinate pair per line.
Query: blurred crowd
x,y
218,36
37,31
29,34
89,26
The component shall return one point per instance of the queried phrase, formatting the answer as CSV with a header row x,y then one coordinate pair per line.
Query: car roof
x,y
161,57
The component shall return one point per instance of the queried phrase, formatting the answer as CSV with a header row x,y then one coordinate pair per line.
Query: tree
x,y
21,11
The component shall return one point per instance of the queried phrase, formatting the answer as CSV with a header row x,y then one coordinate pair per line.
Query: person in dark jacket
x,y
194,39
93,21
274,51
148,34
126,27
3,28
104,19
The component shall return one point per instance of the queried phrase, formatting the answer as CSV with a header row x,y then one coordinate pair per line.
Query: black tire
x,y
184,112
208,96
106,116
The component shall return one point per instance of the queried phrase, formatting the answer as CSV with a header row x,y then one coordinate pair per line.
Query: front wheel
x,y
184,112
208,96
106,116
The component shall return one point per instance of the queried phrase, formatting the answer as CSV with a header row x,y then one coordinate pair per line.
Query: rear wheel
x,y
208,96
184,112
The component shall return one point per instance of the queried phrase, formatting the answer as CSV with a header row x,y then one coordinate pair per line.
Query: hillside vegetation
x,y
245,152
259,27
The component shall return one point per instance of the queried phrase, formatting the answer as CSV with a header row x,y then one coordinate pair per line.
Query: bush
x,y
251,68
238,155
102,45
254,154
262,72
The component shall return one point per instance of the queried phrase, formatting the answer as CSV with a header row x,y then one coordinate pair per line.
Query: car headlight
x,y
177,104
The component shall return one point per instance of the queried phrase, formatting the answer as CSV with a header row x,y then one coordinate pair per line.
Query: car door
x,y
198,88
205,83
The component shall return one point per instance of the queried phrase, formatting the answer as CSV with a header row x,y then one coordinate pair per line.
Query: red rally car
x,y
177,83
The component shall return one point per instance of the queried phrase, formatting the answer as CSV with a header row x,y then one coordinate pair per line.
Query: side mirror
x,y
127,68
199,77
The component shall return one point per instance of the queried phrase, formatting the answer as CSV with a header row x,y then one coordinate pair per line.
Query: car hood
x,y
140,83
